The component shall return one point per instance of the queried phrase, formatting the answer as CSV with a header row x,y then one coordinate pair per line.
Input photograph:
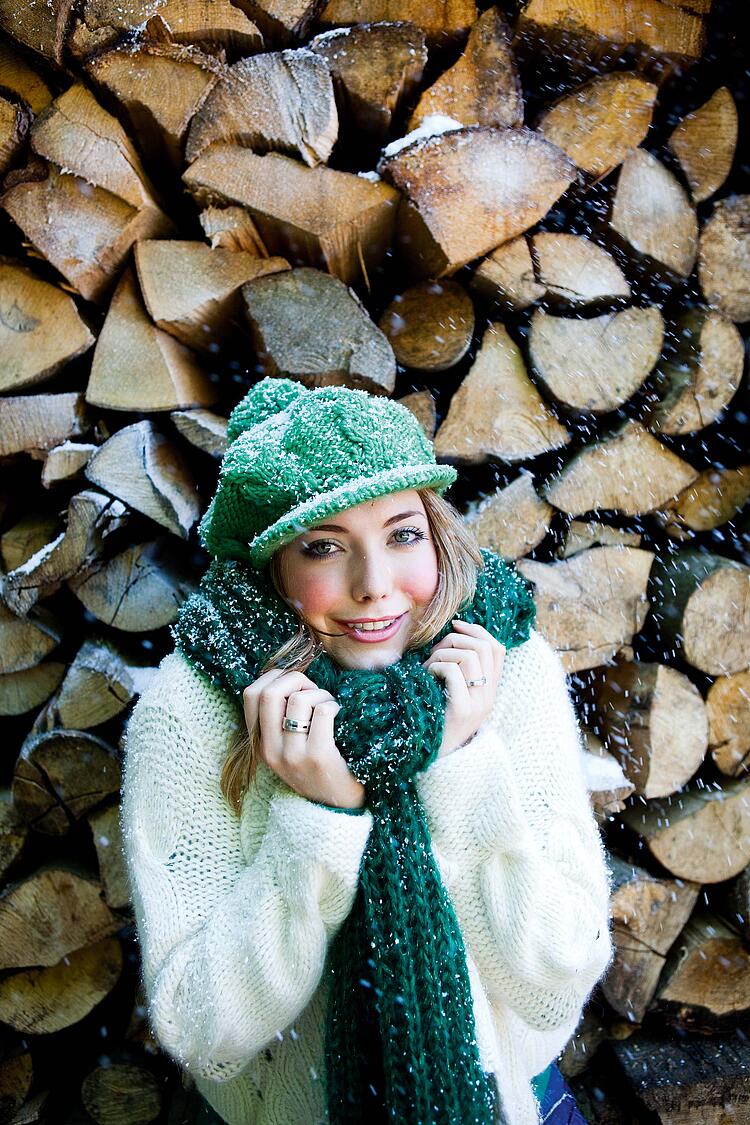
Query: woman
x,y
367,879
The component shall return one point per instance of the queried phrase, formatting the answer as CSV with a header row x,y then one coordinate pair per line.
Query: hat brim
x,y
355,491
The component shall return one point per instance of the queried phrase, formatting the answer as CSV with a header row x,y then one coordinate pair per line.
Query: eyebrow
x,y
336,527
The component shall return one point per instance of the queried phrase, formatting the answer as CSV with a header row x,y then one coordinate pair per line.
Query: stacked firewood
x,y
528,224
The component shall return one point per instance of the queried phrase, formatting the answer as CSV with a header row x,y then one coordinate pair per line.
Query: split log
x,y
724,258
42,1001
704,142
423,407
41,27
627,470
90,518
193,292
160,88
106,832
23,691
103,24
582,534
309,326
652,212
714,497
702,834
99,684
639,707
85,231
648,914
129,1091
314,216
15,119
595,365
231,228
470,189
507,276
705,985
573,270
66,462
728,710
483,87
430,326
702,611
32,532
26,640
203,429
17,76
608,787
48,915
36,423
590,606
278,101
497,411
682,1077
511,521
584,32
376,68
444,22
13,836
600,122
738,901
139,590
60,775
144,470
699,376
283,21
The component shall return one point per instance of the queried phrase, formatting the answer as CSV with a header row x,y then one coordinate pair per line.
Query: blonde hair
x,y
459,561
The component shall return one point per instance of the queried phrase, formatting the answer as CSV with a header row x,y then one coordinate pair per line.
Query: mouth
x,y
372,635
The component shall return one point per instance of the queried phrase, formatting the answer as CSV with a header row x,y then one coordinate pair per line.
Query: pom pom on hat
x,y
267,397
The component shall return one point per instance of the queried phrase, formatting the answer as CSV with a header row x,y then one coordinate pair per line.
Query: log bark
x,y
430,326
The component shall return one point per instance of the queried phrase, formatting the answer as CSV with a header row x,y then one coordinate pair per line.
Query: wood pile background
x,y
553,273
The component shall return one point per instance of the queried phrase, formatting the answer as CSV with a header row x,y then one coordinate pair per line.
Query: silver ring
x,y
476,683
294,724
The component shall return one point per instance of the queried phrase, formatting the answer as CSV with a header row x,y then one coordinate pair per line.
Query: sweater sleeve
x,y
234,915
525,864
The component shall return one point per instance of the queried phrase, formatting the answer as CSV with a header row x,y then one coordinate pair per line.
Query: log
x,y
698,377
13,835
214,25
99,684
144,470
231,228
193,292
281,101
702,835
704,142
312,216
283,21
430,326
714,497
376,68
470,189
17,76
497,411
309,326
573,270
23,691
26,640
483,87
651,211
60,775
648,914
40,27
42,1001
203,429
601,121
15,119
66,462
507,276
595,365
639,707
705,985
32,532
122,1092
444,22
590,607
608,787
701,609
511,521
107,836
628,471
136,591
724,258
582,534
37,423
423,407
728,711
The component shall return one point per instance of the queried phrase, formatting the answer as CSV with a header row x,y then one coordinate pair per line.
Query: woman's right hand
x,y
309,762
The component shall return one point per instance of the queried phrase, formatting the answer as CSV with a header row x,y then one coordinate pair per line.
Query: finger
x,y
468,659
251,695
497,648
321,725
272,703
481,645
455,682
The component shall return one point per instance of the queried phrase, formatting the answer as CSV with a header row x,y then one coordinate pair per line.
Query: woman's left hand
x,y
468,653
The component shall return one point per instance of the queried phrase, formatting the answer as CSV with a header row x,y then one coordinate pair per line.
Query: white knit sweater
x,y
234,916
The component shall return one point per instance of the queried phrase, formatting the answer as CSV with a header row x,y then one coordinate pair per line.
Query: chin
x,y
372,657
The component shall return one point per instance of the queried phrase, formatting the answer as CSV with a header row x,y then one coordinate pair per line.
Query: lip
x,y
371,638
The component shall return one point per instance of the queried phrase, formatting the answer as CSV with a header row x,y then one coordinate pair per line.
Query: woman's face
x,y
376,560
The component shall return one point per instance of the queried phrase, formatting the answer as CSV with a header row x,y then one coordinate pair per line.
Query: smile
x,y
373,631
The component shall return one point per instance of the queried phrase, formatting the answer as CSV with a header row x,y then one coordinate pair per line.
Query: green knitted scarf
x,y
400,1036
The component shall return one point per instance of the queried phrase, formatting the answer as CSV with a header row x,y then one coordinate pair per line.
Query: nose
x,y
372,579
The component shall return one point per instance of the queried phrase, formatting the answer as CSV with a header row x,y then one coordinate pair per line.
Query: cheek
x,y
420,580
314,594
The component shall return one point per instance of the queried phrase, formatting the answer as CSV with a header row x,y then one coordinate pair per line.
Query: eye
x,y
317,550
416,531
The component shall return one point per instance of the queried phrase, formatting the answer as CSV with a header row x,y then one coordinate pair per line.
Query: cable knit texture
x,y
236,916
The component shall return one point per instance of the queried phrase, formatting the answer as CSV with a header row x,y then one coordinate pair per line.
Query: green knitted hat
x,y
296,455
